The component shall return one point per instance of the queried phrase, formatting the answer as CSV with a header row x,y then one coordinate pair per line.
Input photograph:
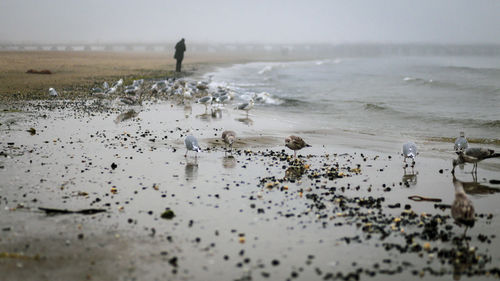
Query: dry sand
x,y
340,212
75,73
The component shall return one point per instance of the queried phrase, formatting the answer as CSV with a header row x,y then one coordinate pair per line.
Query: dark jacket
x,y
180,48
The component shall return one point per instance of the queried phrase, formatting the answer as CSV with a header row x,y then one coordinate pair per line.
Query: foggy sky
x,y
252,21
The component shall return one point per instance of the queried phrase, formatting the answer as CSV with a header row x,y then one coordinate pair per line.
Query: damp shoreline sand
x,y
244,217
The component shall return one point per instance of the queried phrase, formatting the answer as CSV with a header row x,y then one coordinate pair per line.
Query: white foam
x,y
266,68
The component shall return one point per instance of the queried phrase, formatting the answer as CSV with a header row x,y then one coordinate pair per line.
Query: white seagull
x,y
461,143
410,151
473,155
206,100
53,92
191,144
246,106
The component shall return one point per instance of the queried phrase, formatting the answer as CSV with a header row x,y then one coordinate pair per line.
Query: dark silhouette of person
x,y
180,48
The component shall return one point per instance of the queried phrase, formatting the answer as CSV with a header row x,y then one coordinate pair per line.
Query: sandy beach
x,y
87,196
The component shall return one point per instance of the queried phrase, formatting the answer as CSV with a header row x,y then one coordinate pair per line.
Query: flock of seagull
x,y
462,209
466,154
185,90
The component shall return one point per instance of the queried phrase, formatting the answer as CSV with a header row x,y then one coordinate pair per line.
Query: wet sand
x,y
341,212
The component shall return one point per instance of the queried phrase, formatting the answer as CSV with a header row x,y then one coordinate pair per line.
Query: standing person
x,y
180,48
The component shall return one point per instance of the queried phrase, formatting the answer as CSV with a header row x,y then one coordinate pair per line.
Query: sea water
x,y
416,98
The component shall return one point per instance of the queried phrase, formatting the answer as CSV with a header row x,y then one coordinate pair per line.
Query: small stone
x,y
168,214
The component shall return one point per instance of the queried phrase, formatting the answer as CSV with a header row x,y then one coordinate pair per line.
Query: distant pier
x,y
341,50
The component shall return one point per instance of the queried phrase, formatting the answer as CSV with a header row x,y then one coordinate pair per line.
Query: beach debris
x,y
21,256
32,131
421,198
461,143
53,92
295,143
43,71
191,144
113,165
53,211
168,214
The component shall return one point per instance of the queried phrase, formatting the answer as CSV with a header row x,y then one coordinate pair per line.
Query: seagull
x,y
130,90
410,151
53,92
229,137
473,155
246,106
105,85
138,83
461,143
118,83
295,143
187,94
223,99
191,144
110,91
202,85
206,100
462,209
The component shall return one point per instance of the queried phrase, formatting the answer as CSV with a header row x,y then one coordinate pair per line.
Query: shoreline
x,y
339,212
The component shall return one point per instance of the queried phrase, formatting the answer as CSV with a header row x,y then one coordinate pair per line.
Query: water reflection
x,y
191,169
409,176
204,117
462,209
216,113
129,114
229,162
247,121
188,110
474,187
208,116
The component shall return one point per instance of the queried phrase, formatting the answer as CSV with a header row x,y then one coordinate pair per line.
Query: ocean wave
x,y
375,107
476,70
462,122
469,139
415,79
328,61
487,89
445,120
266,98
266,69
